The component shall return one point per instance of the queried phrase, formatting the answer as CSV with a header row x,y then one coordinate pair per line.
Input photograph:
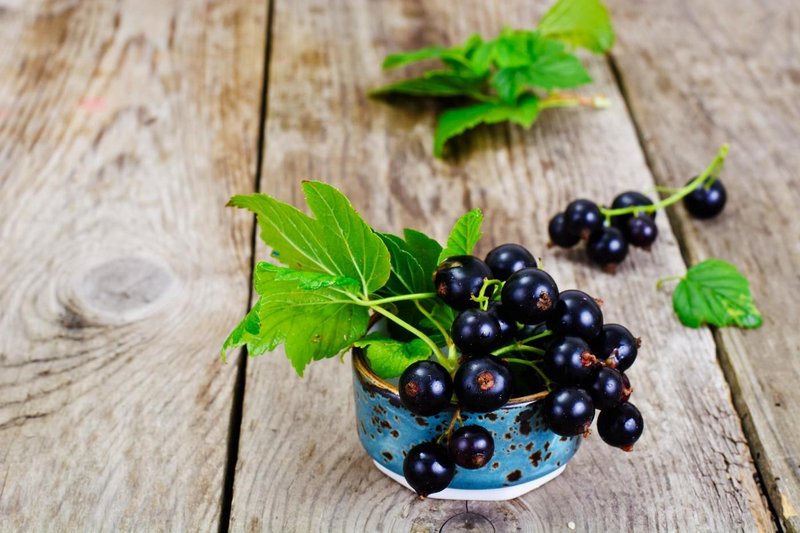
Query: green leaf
x,y
584,23
338,242
309,281
714,292
441,313
435,83
413,262
456,121
312,324
405,58
388,357
247,333
425,249
464,236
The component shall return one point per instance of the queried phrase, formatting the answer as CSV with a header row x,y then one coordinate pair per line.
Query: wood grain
x,y
698,74
300,465
125,127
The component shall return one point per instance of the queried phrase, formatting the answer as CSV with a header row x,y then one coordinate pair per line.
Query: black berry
x,y
620,426
482,384
706,201
476,332
582,217
428,468
569,361
641,231
576,314
507,259
569,411
530,295
425,388
471,447
459,278
617,346
607,389
559,234
607,247
629,199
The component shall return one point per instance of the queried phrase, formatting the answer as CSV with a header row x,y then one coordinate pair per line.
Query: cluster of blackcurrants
x,y
561,334
607,237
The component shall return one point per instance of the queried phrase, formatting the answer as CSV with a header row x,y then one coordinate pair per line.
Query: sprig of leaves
x,y
510,76
714,292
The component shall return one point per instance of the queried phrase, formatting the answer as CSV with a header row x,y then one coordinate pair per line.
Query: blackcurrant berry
x,y
428,468
576,314
508,326
706,201
425,388
569,361
620,426
629,199
641,231
507,259
459,278
476,332
607,247
618,343
627,390
530,295
607,388
569,411
582,217
471,447
483,384
559,235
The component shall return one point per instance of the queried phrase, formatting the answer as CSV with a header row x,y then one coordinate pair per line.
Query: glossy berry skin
x,y
475,332
482,384
569,361
607,388
618,342
508,326
576,314
582,217
458,278
569,411
559,234
620,426
641,231
428,468
471,447
425,388
507,259
607,247
629,199
706,202
530,295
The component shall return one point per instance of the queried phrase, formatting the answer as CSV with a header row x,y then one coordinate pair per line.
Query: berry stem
x,y
660,282
573,100
533,365
707,176
517,347
545,333
482,299
449,433
440,357
435,322
400,298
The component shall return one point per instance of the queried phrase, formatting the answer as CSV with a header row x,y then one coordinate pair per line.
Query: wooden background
x,y
124,128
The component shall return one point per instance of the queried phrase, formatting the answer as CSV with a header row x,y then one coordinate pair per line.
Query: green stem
x,y
545,333
710,173
573,100
660,282
400,298
435,322
517,347
482,299
531,364
427,340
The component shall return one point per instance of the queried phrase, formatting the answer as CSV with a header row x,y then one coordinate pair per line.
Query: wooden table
x,y
124,128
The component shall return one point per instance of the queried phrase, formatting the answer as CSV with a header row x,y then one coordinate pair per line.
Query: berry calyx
x,y
706,201
617,346
482,384
471,447
460,278
476,332
569,361
576,314
506,259
620,426
569,411
559,234
607,247
425,388
607,388
530,295
582,217
428,468
641,231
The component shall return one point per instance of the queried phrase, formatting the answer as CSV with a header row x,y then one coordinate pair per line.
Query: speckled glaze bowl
x,y
527,455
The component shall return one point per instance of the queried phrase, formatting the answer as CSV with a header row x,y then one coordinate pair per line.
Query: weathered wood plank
x,y
698,74
300,464
125,127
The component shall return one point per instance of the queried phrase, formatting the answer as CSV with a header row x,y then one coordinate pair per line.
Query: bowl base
x,y
488,495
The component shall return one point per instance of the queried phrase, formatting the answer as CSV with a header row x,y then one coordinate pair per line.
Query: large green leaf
x,y
464,236
714,292
338,242
583,23
389,357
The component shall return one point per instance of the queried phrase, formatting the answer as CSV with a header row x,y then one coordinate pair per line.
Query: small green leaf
x,y
583,23
413,262
435,83
310,281
714,292
456,121
406,58
464,236
245,334
424,248
389,357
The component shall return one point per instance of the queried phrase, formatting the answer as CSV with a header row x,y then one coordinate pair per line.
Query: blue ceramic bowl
x,y
526,454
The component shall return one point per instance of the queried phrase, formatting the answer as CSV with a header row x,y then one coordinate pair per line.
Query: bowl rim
x,y
364,371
